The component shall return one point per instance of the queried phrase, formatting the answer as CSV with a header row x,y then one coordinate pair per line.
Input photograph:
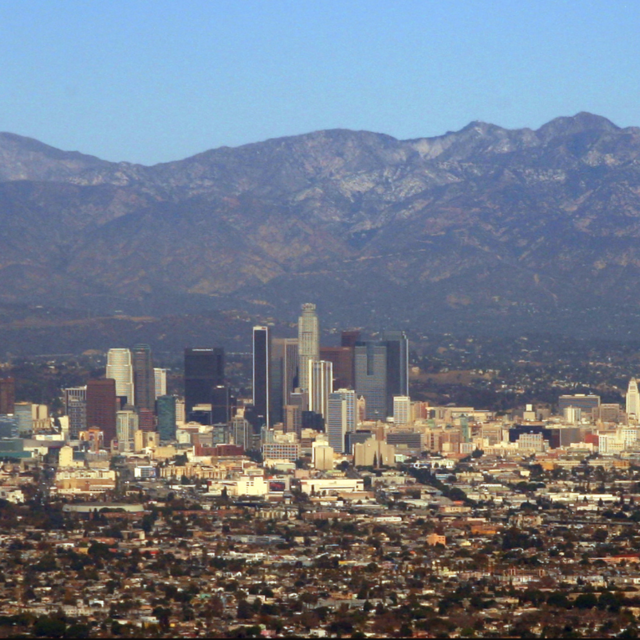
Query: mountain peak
x,y
570,125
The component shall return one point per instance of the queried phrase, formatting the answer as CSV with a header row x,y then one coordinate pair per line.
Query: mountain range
x,y
484,229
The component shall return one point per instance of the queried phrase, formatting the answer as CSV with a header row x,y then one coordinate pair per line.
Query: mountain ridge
x,y
486,227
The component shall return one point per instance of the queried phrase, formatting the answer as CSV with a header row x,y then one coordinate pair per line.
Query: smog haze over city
x,y
319,319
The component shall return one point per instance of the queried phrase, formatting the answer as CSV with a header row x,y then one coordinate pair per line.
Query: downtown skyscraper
x,y
283,374
204,381
320,386
143,377
120,369
261,372
308,342
341,418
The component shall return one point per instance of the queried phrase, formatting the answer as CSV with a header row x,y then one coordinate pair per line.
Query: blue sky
x,y
151,81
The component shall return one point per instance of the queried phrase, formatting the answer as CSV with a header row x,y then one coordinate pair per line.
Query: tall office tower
x,y
401,410
397,365
160,382
341,418
261,367
308,342
284,375
75,403
126,427
77,414
292,419
101,407
7,395
342,360
220,404
23,412
276,387
180,411
633,399
146,420
203,371
166,409
320,386
371,378
143,378
291,367
242,433
120,369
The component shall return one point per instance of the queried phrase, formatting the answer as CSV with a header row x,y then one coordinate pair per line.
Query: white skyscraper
x,y
341,417
160,379
308,342
126,427
120,369
320,385
633,399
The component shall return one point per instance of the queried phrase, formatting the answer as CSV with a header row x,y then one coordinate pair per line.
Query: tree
x,y
586,601
46,627
244,610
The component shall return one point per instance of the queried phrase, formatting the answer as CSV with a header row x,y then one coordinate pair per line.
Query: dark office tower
x,y
146,420
166,410
101,407
350,338
203,371
284,375
371,378
276,388
342,360
143,377
7,395
261,366
220,404
397,365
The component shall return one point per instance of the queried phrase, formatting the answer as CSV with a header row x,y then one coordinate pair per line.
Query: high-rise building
x,y
342,360
221,404
284,375
166,409
261,373
401,410
292,419
320,386
146,420
143,377
341,418
120,369
308,342
75,401
101,407
633,399
24,417
371,378
242,433
126,427
397,345
160,382
7,395
180,411
203,371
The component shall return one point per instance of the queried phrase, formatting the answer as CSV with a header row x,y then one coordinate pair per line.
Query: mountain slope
x,y
484,229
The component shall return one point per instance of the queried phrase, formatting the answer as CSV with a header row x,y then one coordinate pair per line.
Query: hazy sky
x,y
157,80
